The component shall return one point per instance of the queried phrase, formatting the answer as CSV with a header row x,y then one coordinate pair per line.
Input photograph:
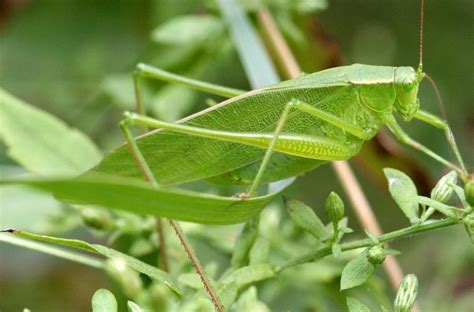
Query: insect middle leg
x,y
443,125
401,135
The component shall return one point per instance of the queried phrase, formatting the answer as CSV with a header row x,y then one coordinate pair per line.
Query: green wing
x,y
177,158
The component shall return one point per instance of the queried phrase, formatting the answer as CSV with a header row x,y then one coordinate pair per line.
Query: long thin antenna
x,y
441,107
422,19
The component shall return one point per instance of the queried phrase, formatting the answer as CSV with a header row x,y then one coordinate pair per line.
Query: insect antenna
x,y
422,19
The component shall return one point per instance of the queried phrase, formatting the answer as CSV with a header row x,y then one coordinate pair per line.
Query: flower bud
x,y
96,219
406,294
334,208
469,191
376,254
129,279
469,225
442,191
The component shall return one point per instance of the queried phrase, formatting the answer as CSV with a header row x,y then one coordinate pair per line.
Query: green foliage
x,y
355,305
276,263
357,271
117,256
32,138
104,301
138,197
404,193
305,218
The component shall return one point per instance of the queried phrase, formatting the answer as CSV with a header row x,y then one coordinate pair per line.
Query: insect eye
x,y
409,84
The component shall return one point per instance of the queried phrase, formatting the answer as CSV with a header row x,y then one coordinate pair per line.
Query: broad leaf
x,y
404,192
133,263
355,305
138,197
104,301
42,143
357,271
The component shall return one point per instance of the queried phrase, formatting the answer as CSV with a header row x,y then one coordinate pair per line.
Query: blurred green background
x,y
74,59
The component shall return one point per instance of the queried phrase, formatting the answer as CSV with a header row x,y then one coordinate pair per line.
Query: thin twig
x,y
344,173
161,240
140,109
198,267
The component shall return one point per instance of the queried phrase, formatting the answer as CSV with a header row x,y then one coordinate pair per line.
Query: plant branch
x,y
384,238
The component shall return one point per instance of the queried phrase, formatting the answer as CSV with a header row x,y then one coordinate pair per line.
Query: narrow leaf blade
x,y
133,263
138,197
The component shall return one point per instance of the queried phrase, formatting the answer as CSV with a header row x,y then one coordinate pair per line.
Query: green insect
x,y
276,132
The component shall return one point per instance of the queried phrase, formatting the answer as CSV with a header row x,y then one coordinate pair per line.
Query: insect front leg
x,y
437,122
401,135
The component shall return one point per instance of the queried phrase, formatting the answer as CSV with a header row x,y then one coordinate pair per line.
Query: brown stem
x,y
197,266
161,240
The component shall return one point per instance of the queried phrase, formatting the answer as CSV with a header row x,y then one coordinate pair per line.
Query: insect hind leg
x,y
147,71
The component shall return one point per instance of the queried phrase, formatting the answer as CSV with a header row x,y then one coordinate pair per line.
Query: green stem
x,y
388,237
442,208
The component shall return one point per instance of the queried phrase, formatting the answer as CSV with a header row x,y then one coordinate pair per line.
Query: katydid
x,y
278,131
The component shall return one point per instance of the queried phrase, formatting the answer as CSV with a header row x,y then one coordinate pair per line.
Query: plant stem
x,y
388,237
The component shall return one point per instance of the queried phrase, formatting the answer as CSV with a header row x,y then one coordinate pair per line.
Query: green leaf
x,y
357,271
228,294
172,102
244,243
306,218
355,305
404,193
188,30
259,251
104,301
139,197
133,307
42,143
250,274
133,263
248,301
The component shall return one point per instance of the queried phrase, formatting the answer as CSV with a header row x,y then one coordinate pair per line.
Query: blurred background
x,y
75,60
